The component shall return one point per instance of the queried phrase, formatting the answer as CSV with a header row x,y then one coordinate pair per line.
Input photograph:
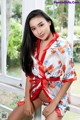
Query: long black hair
x,y
29,40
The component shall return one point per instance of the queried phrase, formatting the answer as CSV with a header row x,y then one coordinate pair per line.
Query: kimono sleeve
x,y
69,74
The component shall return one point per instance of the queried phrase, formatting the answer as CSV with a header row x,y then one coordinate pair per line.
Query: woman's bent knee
x,y
9,117
17,114
54,116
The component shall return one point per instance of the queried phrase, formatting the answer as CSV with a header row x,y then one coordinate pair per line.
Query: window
x,y
11,21
14,38
76,50
0,36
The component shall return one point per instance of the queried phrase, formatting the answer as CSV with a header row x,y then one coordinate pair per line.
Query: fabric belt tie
x,y
40,84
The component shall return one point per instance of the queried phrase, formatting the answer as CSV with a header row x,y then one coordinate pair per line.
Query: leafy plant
x,y
14,43
17,9
76,53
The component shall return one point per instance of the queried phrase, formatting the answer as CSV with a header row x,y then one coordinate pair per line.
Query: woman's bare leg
x,y
53,116
18,112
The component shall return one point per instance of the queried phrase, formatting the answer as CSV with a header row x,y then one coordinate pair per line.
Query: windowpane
x,y
0,36
59,15
76,50
14,39
75,88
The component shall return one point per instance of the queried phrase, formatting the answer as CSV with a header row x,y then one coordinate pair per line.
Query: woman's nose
x,y
39,31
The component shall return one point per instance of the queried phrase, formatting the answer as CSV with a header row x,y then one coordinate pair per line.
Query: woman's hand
x,y
28,109
49,109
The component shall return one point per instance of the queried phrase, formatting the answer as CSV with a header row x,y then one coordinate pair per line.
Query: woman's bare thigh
x,y
18,112
37,103
43,97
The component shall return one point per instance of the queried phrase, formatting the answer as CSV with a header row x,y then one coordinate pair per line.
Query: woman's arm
x,y
28,109
51,107
68,76
62,92
27,89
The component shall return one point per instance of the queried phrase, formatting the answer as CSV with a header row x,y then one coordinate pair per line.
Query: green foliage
x,y
0,29
77,30
58,12
76,53
15,101
64,33
17,9
14,43
49,8
48,1
77,13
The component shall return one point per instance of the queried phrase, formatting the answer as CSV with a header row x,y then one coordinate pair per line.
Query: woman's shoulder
x,y
62,42
63,46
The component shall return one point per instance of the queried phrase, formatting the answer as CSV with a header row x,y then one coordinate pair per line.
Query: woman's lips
x,y
41,36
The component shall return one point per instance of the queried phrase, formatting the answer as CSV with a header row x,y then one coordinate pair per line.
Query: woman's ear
x,y
49,22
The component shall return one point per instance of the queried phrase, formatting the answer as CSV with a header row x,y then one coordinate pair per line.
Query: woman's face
x,y
40,27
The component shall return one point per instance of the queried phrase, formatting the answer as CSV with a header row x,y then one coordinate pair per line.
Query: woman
x,y
47,62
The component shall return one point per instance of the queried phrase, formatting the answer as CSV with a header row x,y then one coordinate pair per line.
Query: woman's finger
x,y
28,113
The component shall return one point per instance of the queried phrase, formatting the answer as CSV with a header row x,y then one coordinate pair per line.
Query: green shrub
x,y
14,43
77,30
76,53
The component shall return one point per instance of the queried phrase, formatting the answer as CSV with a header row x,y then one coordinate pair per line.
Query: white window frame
x,y
4,78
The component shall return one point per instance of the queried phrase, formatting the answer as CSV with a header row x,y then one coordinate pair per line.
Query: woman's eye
x,y
33,29
41,24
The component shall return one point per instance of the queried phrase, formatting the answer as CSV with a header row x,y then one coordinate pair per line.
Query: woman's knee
x,y
10,118
16,114
53,116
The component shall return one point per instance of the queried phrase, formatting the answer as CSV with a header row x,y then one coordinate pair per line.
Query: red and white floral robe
x,y
54,69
